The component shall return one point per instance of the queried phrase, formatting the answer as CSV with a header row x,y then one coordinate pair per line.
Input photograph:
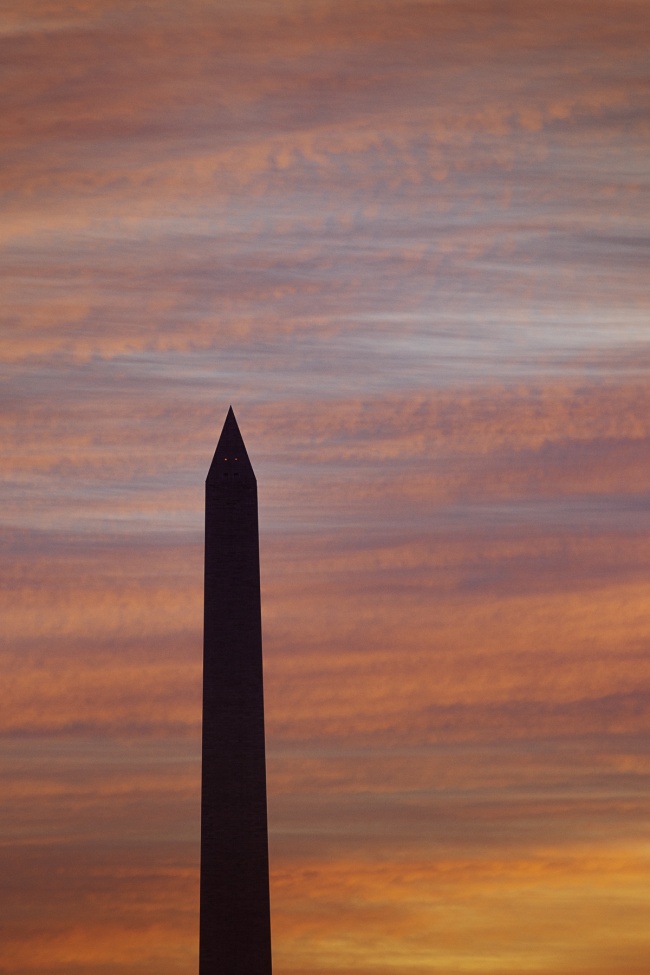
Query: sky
x,y
408,241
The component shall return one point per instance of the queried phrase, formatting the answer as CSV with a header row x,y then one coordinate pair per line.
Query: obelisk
x,y
235,929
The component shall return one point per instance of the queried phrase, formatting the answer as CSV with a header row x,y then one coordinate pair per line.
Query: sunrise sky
x,y
407,240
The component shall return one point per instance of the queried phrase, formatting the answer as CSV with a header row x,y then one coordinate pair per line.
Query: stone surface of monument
x,y
235,931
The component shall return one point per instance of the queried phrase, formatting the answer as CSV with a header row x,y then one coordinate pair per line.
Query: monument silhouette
x,y
235,926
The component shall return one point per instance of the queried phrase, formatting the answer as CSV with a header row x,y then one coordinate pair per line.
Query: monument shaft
x,y
235,936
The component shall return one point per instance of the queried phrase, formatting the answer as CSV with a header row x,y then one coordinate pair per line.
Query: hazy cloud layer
x,y
408,242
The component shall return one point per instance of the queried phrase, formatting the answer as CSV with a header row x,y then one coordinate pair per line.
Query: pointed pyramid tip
x,y
231,454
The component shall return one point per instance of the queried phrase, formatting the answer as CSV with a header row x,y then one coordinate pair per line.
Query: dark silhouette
x,y
235,936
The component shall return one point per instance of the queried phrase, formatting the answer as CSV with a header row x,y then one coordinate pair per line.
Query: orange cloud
x,y
153,928
463,915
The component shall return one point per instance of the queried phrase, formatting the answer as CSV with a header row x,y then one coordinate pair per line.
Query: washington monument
x,y
235,929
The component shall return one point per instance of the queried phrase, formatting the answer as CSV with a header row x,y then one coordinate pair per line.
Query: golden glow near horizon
x,y
406,241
